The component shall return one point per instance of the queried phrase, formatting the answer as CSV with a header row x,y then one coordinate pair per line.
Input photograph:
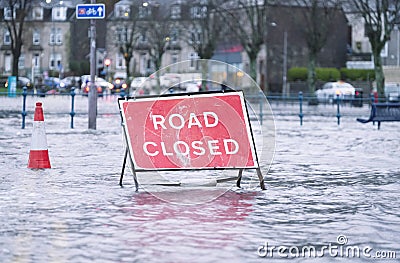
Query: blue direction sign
x,y
90,11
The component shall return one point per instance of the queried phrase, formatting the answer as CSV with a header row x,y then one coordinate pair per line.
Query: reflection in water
x,y
162,225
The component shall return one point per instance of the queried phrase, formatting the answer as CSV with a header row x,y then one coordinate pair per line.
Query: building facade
x,y
46,40
53,38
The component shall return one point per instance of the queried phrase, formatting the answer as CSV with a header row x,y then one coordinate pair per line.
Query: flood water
x,y
329,186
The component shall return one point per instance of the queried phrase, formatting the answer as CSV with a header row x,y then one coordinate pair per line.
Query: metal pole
x,y
260,100
301,107
284,75
23,113
398,45
92,91
338,108
72,113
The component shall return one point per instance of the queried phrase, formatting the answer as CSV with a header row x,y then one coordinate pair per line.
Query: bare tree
x,y
15,22
205,28
319,17
127,35
156,27
248,21
380,17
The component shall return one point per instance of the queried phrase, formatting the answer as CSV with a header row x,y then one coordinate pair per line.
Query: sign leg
x,y
239,178
261,178
123,167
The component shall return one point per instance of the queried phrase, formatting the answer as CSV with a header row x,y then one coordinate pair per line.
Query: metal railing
x,y
257,101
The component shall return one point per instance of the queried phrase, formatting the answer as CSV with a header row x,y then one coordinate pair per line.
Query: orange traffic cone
x,y
39,154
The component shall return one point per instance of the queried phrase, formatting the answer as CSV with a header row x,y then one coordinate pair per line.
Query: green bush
x,y
295,74
327,74
357,74
332,74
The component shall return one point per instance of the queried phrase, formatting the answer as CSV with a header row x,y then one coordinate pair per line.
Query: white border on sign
x,y
188,95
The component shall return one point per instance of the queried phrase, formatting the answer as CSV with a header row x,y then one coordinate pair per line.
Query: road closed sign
x,y
189,131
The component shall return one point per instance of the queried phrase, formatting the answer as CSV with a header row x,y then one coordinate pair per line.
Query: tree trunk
x,y
253,67
128,81
379,76
204,73
158,76
16,54
311,74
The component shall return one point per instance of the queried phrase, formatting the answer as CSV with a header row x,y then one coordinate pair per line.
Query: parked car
x,y
101,85
392,92
21,82
137,82
119,85
192,86
330,90
169,80
68,82
52,82
24,82
86,89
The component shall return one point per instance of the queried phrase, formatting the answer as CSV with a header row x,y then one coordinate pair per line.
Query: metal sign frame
x,y
129,151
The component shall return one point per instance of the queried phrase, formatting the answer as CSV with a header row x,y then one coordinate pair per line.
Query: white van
x,y
392,92
330,90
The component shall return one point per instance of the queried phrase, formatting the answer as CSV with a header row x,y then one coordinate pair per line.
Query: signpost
x,y
92,11
189,131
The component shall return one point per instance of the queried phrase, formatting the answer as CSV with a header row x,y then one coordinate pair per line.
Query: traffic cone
x,y
39,154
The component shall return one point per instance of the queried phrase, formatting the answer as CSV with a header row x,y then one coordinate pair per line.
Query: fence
x,y
295,103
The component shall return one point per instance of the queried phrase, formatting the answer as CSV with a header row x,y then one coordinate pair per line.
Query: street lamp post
x,y
284,69
273,24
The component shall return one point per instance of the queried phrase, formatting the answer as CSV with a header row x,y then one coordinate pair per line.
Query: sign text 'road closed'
x,y
197,131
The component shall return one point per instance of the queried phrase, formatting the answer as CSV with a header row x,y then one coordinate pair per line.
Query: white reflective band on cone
x,y
39,141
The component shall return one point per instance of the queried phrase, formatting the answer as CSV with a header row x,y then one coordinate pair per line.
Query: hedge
x,y
357,74
332,74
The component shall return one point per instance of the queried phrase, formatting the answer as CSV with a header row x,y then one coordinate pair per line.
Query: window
x,y
52,39
174,58
7,37
36,36
143,37
176,12
58,36
59,13
120,61
55,36
195,36
144,12
122,11
7,62
148,65
36,60
37,13
198,12
9,13
122,35
193,60
174,36
142,64
55,62
21,61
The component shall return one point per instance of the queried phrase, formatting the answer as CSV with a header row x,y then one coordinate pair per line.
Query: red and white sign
x,y
197,131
